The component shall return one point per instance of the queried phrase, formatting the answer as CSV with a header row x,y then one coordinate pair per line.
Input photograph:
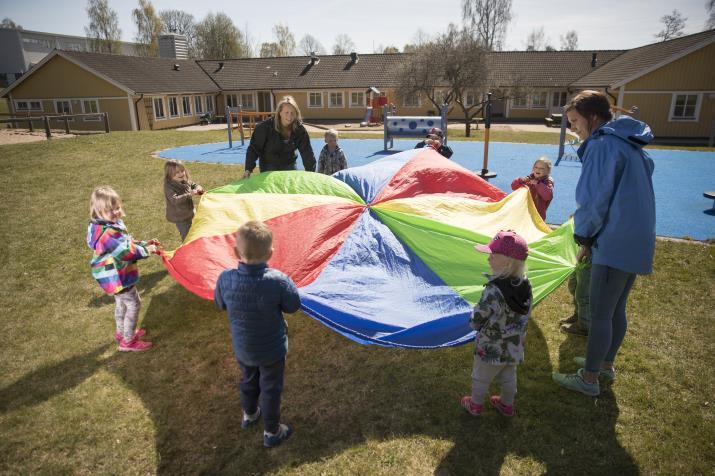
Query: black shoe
x,y
575,329
572,319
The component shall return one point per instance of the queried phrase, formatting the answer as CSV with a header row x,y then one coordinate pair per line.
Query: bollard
x,y
105,117
67,125
48,133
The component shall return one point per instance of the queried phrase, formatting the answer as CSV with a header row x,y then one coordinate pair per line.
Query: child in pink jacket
x,y
539,183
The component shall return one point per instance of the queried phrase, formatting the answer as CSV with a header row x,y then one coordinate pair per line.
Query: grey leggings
x,y
126,311
482,376
609,296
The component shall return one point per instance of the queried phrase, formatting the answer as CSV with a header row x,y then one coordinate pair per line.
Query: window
x,y
470,99
28,106
685,107
247,101
42,43
186,105
209,104
335,100
63,107
159,108
231,100
519,102
440,97
538,100
198,105
357,99
412,100
90,106
173,106
558,99
315,99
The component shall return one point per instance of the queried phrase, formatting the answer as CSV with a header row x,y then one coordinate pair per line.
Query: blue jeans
x,y
264,383
609,295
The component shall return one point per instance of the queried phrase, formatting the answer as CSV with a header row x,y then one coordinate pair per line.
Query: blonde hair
x,y
277,120
513,268
171,167
331,133
254,241
544,160
103,199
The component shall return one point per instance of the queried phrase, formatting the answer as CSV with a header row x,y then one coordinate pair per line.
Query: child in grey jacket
x,y
178,191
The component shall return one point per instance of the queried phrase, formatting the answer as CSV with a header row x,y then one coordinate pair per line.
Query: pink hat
x,y
507,243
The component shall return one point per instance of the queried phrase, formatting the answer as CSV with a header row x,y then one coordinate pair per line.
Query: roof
x,y
296,72
543,68
640,61
147,74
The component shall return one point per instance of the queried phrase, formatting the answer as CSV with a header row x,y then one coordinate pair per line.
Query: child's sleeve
x,y
321,161
175,198
545,189
121,246
487,307
343,160
218,294
290,301
516,183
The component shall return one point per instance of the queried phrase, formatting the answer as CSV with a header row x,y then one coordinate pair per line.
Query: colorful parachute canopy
x,y
382,253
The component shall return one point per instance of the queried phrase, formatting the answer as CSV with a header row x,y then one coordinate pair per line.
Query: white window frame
x,y
310,97
186,101
407,100
698,104
198,104
250,107
358,103
29,107
173,100
514,104
332,94
210,103
57,110
231,100
157,117
474,100
540,95
85,111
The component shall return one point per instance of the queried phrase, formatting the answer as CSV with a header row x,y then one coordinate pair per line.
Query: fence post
x,y
67,125
228,123
32,129
105,116
46,120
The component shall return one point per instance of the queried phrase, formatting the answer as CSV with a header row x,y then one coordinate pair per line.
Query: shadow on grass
x,y
147,282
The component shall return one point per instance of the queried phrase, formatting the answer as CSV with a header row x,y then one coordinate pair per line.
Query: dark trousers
x,y
264,384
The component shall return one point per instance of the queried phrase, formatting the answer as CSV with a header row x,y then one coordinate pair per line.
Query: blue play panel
x,y
680,176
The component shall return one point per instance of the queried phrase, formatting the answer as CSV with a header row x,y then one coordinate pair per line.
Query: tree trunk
x,y
468,126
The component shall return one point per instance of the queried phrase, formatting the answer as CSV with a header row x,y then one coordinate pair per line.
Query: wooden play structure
x,y
247,119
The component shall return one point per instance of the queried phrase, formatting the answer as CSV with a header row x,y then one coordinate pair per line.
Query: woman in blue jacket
x,y
614,223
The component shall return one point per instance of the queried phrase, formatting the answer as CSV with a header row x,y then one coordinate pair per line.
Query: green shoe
x,y
607,375
576,383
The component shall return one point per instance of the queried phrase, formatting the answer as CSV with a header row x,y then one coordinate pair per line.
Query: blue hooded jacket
x,y
615,202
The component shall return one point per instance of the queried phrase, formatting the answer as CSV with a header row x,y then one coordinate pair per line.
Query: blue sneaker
x,y
271,440
576,383
250,420
608,375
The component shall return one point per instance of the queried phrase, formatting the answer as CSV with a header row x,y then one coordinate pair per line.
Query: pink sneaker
x,y
139,333
474,409
135,345
506,410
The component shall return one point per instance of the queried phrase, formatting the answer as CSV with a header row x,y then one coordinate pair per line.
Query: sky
x,y
373,25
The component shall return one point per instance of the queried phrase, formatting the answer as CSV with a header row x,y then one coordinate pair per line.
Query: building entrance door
x,y
264,101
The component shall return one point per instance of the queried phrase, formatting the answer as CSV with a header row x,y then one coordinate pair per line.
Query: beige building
x,y
672,84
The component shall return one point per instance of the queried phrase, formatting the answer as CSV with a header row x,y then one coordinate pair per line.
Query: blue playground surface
x,y
680,177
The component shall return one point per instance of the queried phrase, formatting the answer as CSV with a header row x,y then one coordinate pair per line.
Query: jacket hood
x,y
516,295
97,227
635,132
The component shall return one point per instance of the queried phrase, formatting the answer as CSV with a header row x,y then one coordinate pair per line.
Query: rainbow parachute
x,y
382,253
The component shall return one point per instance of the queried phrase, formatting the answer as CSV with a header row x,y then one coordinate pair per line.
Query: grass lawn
x,y
69,403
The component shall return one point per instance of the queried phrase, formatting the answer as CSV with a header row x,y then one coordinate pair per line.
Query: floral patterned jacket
x,y
331,162
500,319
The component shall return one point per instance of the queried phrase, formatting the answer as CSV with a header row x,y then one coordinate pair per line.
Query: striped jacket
x,y
115,255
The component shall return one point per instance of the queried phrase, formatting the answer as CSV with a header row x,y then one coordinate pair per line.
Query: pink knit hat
x,y
507,243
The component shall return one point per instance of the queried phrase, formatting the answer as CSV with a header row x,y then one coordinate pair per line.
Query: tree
x,y
391,49
487,21
710,6
536,41
181,23
673,26
7,23
570,41
218,38
310,44
103,29
269,50
148,28
418,39
343,45
449,69
284,39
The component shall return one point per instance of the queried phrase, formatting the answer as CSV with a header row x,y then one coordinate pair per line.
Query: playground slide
x,y
368,115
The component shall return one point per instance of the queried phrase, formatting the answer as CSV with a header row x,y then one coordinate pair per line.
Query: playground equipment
x,y
485,173
411,126
239,114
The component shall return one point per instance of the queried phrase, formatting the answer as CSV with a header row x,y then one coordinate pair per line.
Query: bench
x,y
554,120
711,196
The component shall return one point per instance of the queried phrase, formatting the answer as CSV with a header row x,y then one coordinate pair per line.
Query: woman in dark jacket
x,y
275,141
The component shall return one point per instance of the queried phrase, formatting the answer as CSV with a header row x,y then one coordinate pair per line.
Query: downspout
x,y
136,112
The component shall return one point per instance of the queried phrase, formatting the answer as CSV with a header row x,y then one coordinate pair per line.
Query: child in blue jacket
x,y
256,297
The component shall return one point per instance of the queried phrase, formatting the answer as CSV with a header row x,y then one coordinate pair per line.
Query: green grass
x,y
69,403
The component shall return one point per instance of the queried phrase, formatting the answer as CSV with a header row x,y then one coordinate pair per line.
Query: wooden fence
x,y
65,118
